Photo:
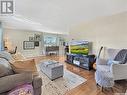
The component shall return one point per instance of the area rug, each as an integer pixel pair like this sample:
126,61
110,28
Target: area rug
61,85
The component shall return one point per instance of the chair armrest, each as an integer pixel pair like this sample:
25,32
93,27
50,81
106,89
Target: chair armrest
9,82
101,61
119,71
37,82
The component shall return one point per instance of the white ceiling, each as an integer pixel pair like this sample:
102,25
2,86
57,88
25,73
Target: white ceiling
59,16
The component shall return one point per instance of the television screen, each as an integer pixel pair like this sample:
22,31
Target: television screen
79,47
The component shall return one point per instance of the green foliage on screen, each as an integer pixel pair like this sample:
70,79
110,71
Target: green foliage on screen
79,49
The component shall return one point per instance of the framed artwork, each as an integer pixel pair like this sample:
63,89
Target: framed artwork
31,38
28,45
37,37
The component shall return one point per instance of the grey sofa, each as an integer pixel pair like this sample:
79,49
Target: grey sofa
9,79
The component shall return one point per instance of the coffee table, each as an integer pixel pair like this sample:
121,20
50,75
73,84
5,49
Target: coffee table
52,69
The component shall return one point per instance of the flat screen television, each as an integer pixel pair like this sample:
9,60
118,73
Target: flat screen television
79,47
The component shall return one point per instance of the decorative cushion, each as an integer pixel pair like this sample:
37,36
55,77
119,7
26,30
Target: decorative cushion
5,63
4,71
6,55
121,56
25,89
5,67
24,66
110,62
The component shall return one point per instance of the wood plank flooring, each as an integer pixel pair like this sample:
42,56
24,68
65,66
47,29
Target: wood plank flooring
89,87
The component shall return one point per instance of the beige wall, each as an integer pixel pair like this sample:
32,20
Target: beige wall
16,38
110,31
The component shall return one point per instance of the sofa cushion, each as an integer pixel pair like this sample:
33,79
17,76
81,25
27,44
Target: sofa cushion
121,56
4,71
24,66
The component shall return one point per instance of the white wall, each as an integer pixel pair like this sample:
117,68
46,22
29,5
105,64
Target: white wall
110,31
16,38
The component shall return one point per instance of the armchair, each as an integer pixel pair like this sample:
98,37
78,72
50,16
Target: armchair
108,70
118,71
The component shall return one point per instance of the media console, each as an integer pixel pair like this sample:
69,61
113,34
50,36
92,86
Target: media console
83,61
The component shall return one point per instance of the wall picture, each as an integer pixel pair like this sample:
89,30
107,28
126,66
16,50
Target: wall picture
28,45
37,37
31,38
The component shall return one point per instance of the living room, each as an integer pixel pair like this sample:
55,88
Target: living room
69,47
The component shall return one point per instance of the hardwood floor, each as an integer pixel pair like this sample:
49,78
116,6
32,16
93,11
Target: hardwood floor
89,87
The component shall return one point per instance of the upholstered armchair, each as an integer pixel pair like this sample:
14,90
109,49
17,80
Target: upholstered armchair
118,70
111,66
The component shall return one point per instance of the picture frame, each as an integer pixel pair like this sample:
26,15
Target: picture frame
28,45
37,37
31,38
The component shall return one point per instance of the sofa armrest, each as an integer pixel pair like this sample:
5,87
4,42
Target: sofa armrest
119,71
37,82
101,61
9,82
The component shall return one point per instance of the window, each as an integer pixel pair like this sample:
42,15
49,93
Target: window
50,40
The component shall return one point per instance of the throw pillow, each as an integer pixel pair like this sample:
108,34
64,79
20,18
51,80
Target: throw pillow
110,62
26,89
6,55
6,63
4,71
121,56
24,66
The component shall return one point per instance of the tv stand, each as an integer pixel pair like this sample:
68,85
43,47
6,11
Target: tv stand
83,61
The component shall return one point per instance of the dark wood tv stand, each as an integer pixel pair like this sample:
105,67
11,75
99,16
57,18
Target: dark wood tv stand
83,61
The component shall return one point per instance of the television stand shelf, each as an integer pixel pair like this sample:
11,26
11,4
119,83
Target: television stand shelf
83,61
